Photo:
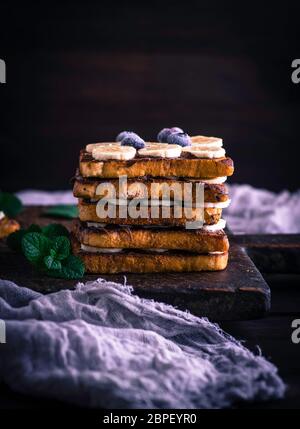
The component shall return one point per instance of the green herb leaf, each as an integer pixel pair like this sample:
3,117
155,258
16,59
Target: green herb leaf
60,249
48,249
34,228
54,230
35,246
52,253
52,263
14,240
72,268
10,204
63,210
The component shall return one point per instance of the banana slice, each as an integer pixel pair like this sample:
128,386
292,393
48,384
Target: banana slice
94,249
215,181
120,153
162,150
156,203
156,250
201,146
206,141
90,147
96,224
219,205
221,224
205,153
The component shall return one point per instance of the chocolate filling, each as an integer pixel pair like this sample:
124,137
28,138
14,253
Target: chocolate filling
219,188
128,228
143,252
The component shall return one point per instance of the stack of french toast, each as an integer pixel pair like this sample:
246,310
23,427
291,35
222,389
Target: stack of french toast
147,207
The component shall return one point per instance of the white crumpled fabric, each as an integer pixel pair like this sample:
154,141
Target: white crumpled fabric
255,211
102,346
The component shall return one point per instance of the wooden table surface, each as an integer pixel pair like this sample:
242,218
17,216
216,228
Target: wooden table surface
278,258
237,293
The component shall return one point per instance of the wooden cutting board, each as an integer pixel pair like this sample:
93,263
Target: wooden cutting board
239,292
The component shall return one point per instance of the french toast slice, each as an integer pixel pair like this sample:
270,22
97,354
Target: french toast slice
186,166
147,262
87,213
141,187
8,226
199,241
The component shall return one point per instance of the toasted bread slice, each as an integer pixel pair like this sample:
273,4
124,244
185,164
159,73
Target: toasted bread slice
142,188
198,241
147,262
186,166
8,226
87,213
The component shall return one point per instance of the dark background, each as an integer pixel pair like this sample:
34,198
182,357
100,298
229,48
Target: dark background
80,73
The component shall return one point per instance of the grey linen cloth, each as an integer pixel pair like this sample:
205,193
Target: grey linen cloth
102,346
256,211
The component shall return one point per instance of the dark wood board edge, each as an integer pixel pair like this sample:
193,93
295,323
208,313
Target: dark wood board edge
218,295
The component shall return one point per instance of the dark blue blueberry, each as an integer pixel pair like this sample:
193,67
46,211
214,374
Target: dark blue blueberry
182,139
163,135
176,130
125,134
133,140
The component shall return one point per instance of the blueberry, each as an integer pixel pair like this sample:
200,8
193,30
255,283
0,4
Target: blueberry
176,130
124,134
182,139
133,140
163,135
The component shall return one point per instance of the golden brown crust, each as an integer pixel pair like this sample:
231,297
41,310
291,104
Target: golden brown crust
201,168
87,213
8,226
134,262
142,238
87,188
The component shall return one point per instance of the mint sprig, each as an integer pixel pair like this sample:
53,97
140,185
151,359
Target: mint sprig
35,246
14,240
71,269
54,230
52,264
49,250
60,248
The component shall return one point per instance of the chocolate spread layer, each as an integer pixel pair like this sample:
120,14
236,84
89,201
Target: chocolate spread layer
143,252
219,188
103,230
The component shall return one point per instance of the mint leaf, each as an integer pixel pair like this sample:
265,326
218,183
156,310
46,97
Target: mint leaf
72,268
10,204
54,230
52,263
48,249
35,246
34,228
60,249
63,210
52,253
14,240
